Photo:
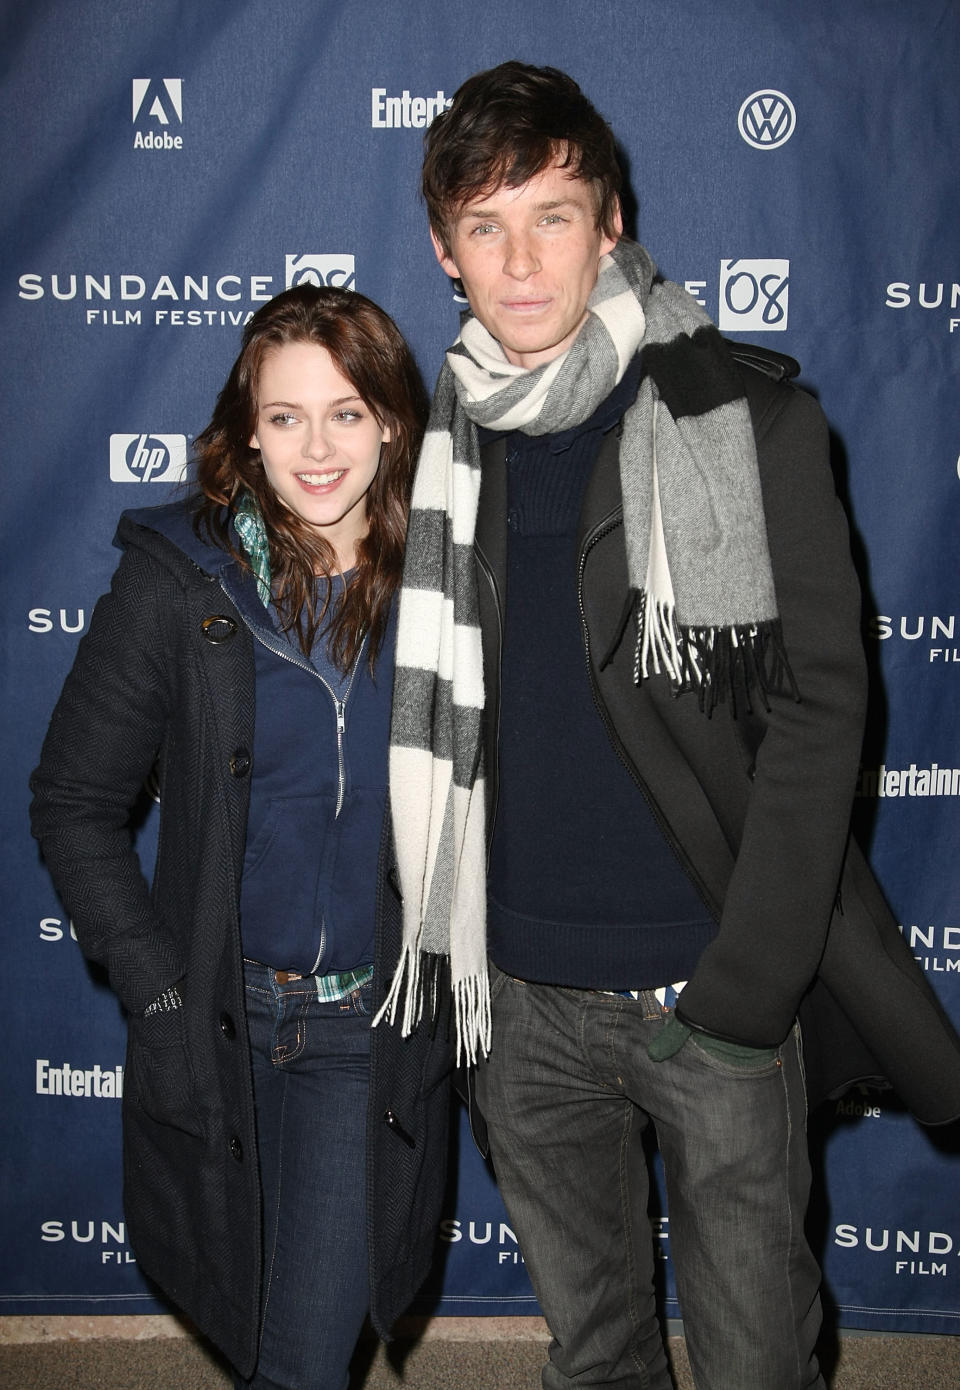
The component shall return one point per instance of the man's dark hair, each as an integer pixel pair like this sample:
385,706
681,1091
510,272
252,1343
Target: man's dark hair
505,126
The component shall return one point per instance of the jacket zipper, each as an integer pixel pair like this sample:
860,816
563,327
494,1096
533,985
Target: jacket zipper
602,529
491,772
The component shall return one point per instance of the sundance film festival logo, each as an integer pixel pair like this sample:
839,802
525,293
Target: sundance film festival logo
909,1251
937,295
312,269
935,947
116,297
767,119
148,458
936,635
109,1237
754,296
157,104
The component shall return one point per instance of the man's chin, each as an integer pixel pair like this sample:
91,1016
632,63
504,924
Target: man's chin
533,350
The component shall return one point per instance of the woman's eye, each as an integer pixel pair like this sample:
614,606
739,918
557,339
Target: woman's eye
282,417
347,415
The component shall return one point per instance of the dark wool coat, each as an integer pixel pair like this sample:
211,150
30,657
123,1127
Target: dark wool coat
757,807
166,675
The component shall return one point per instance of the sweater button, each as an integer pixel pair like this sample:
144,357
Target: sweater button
236,1148
227,1026
240,763
218,628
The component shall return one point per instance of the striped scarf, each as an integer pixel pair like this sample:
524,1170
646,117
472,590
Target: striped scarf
701,590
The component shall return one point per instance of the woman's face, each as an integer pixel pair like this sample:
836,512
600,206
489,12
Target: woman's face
319,442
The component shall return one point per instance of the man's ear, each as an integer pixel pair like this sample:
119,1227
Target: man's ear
444,256
608,243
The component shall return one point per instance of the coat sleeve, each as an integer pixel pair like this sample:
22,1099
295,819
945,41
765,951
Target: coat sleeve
103,739
749,981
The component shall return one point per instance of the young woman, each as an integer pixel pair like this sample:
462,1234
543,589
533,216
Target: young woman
283,1162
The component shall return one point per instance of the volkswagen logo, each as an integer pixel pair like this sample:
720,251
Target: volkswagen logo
767,119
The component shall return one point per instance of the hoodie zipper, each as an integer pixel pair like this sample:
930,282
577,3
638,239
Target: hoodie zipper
286,653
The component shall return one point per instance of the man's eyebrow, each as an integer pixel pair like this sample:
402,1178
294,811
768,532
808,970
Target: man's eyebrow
550,205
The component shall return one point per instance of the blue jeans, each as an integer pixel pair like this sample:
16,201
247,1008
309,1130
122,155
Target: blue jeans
311,1064
567,1093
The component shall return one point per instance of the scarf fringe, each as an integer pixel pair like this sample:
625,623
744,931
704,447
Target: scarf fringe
420,986
405,995
724,665
471,999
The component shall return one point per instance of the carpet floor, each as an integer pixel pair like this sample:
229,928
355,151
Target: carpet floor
862,1363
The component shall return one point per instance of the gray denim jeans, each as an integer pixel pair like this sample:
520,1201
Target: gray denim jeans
567,1093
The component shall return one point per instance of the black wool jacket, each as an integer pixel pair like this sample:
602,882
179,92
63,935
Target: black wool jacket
165,677
757,807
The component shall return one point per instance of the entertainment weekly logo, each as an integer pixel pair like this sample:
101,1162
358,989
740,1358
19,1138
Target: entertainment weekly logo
80,1083
405,112
753,295
911,781
124,299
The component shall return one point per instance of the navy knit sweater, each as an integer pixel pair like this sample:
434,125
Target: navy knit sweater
583,888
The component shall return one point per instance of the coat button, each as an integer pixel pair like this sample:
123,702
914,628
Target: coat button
240,763
227,1027
236,1148
395,1127
218,628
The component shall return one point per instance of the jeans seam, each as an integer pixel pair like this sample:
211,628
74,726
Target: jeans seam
268,1282
627,1230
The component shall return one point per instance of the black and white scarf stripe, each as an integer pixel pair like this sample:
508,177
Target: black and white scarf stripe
701,589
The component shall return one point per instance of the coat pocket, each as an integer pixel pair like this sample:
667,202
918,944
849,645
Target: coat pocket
160,1080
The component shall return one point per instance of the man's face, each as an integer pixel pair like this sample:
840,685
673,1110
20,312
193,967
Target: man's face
528,258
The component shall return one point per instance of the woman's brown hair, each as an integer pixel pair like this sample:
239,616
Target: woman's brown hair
369,350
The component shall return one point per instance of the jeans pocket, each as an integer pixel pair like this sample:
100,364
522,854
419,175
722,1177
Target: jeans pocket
362,999
737,1056
498,981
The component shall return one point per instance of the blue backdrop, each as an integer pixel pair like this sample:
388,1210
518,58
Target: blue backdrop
170,166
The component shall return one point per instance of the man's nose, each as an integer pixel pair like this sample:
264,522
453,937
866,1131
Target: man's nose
520,260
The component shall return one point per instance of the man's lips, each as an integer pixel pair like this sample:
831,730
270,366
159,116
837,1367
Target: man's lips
525,306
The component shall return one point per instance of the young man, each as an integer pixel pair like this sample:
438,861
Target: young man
627,722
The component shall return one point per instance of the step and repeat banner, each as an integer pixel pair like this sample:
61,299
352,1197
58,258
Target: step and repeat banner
169,167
